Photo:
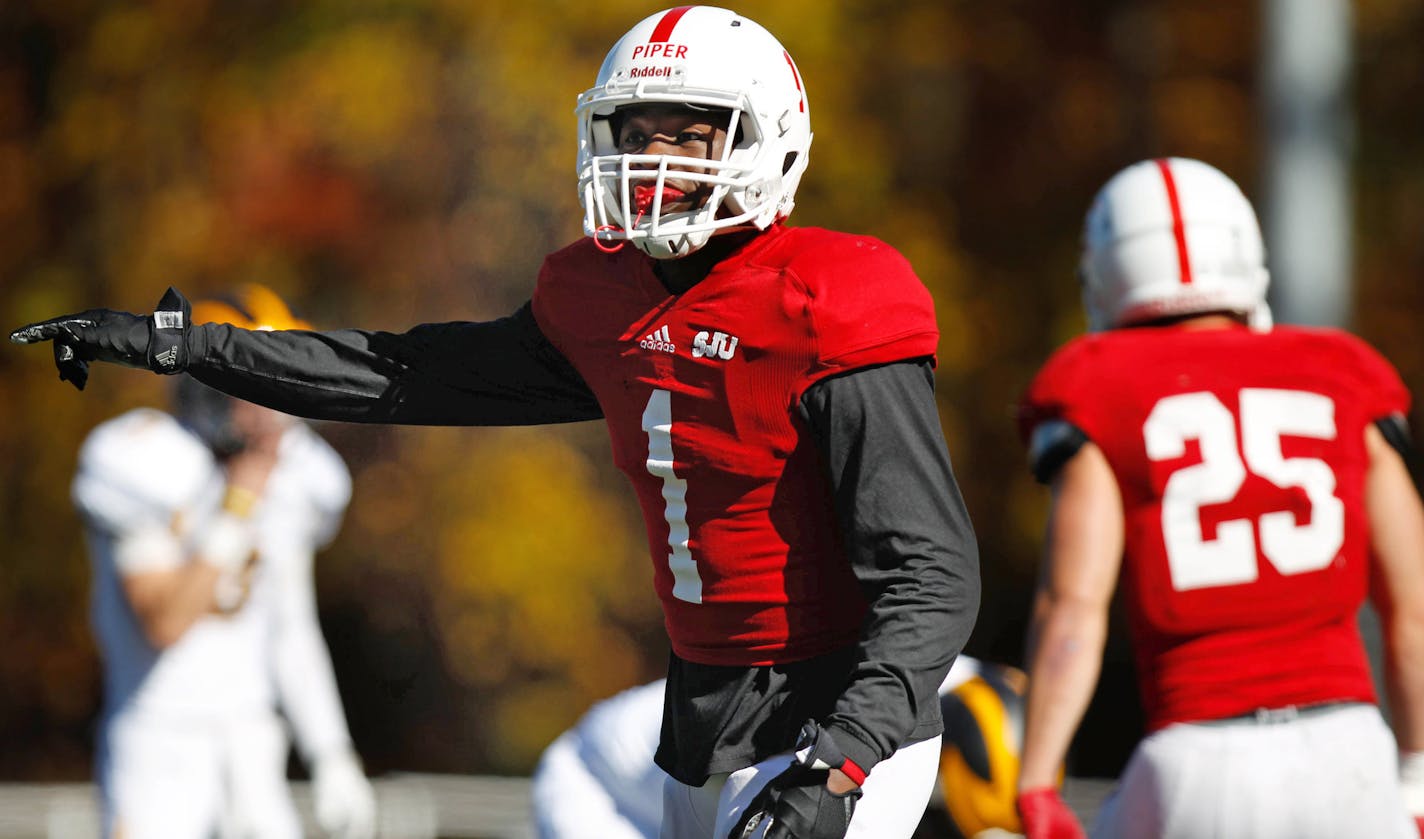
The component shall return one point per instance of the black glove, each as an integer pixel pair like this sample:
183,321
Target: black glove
797,801
154,341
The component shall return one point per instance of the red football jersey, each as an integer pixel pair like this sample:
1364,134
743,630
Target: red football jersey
1241,460
700,393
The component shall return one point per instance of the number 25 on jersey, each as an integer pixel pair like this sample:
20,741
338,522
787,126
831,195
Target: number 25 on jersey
1266,415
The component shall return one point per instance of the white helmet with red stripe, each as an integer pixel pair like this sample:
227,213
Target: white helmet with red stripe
1172,237
706,58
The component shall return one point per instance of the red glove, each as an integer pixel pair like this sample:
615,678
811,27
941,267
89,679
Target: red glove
1419,823
1045,816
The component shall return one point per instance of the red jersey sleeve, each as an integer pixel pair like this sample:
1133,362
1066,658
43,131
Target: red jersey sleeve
1058,390
1382,392
1059,396
864,306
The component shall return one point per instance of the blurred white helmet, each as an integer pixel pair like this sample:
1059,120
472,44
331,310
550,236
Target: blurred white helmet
702,57
1172,237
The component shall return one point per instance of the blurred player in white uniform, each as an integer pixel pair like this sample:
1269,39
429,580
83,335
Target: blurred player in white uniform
598,779
202,528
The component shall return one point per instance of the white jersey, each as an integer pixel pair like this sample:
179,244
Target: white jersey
598,779
145,472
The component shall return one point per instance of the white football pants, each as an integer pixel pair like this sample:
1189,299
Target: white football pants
896,793
1328,774
163,778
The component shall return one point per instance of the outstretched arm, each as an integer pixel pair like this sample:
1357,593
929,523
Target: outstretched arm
502,372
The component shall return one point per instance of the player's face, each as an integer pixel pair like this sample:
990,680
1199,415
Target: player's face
677,132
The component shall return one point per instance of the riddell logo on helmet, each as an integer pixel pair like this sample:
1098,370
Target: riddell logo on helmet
660,50
649,72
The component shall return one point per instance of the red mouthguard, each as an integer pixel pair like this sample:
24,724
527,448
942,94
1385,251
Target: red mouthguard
644,196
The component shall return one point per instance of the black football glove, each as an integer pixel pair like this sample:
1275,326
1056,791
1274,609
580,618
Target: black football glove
153,341
797,802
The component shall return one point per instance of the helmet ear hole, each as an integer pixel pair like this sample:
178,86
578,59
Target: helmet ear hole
606,129
743,134
789,161
605,133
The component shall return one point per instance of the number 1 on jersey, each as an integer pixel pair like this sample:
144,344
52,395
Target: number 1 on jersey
657,424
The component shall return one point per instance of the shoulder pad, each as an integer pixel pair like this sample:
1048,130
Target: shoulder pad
1052,444
1395,429
139,465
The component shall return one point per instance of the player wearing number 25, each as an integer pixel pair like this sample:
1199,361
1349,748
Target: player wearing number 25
1246,484
768,394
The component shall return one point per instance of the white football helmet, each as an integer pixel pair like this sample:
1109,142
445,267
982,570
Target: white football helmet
704,57
1172,237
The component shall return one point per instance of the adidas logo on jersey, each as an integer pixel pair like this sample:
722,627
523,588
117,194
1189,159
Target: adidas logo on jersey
714,345
659,340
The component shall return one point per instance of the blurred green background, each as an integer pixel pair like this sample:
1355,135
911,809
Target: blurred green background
386,162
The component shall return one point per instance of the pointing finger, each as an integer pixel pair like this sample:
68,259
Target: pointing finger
34,333
46,330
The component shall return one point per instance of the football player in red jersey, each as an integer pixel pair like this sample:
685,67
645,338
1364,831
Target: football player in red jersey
768,393
1247,487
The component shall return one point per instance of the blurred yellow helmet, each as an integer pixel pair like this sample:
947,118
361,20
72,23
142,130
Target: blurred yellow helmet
253,306
983,741
206,412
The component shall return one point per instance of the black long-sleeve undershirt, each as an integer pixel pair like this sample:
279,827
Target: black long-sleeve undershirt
910,542
500,372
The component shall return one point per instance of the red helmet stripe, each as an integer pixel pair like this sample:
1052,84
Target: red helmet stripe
663,30
1179,230
796,77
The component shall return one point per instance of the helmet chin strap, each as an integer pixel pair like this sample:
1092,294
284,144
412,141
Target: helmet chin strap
607,248
644,199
